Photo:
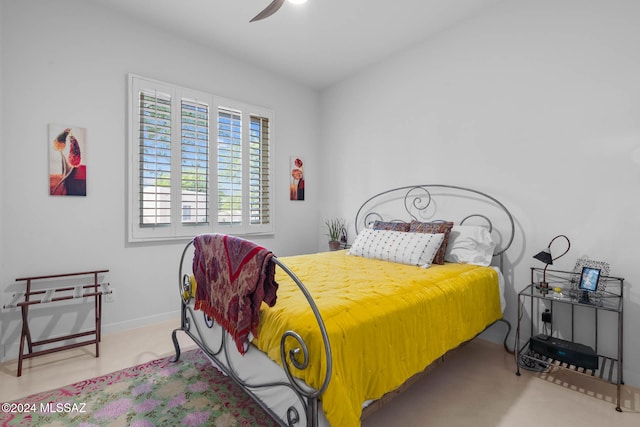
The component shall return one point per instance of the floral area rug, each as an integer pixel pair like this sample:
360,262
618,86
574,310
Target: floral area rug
160,393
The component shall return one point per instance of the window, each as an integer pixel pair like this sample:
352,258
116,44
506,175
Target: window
198,163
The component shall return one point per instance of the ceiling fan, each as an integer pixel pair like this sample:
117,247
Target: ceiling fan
273,8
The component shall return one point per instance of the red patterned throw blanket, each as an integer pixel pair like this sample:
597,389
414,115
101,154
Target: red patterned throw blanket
234,276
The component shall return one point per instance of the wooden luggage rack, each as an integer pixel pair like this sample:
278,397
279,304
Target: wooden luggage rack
46,296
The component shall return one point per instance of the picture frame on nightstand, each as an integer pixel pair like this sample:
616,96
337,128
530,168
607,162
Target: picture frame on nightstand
587,283
589,279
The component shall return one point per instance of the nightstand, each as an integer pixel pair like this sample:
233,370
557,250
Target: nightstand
549,342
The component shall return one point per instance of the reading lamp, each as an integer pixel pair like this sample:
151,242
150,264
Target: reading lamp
545,257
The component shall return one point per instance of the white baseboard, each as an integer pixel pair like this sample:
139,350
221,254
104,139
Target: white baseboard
141,321
10,351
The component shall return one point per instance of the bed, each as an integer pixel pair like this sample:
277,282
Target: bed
350,328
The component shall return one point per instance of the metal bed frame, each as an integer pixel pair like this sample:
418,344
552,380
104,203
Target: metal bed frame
419,203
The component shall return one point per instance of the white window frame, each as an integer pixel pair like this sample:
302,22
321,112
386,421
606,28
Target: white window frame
177,230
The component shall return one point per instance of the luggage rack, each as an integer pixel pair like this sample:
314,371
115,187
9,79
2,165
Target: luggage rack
46,296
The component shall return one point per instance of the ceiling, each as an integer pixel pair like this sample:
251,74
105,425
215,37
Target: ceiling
318,43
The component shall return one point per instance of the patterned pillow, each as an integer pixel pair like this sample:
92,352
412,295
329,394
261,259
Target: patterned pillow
391,225
443,227
397,246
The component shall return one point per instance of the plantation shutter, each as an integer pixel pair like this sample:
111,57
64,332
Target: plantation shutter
198,163
195,162
229,167
259,171
155,158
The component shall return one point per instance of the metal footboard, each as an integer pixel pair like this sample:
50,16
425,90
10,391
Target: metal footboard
307,397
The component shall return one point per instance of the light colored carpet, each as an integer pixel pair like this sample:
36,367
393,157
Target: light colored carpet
476,385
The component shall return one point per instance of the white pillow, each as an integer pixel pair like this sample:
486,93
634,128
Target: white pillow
470,244
397,246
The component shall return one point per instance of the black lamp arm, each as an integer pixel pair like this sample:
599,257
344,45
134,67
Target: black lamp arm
544,273
568,245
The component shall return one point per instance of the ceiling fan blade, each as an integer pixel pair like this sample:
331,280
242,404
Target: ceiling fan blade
269,10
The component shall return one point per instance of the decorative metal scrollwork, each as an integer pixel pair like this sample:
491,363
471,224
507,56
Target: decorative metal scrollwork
184,282
186,288
416,201
326,347
293,353
207,320
489,223
293,417
371,218
307,398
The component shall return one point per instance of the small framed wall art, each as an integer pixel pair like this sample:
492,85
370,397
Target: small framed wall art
296,176
67,160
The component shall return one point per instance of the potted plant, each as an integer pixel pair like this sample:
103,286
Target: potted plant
336,230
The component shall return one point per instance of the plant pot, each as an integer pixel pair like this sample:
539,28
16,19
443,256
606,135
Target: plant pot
334,245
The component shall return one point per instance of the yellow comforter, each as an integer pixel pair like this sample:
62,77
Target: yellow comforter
386,321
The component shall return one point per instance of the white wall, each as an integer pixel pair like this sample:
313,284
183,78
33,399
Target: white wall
2,172
537,103
67,62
